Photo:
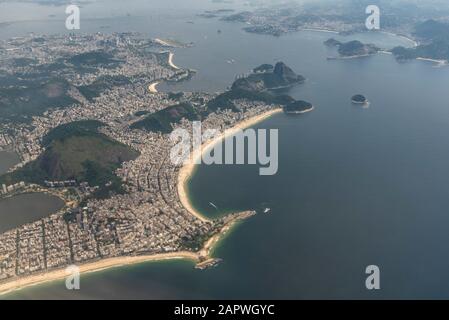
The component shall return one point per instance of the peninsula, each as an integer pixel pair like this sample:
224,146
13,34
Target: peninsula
266,77
107,155
298,107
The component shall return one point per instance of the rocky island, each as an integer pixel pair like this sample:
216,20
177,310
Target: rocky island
359,99
352,49
267,77
264,85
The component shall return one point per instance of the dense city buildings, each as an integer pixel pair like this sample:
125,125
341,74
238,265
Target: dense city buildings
148,217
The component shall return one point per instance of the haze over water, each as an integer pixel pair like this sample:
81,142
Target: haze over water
355,186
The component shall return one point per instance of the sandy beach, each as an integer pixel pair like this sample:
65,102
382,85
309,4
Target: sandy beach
439,63
320,30
96,266
152,87
187,170
170,61
183,177
162,42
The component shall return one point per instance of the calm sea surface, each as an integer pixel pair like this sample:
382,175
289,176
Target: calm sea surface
355,186
7,160
26,208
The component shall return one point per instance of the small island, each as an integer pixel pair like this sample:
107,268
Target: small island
298,107
352,49
359,99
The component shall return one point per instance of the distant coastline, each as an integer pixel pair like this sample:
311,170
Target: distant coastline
152,87
439,63
60,274
415,43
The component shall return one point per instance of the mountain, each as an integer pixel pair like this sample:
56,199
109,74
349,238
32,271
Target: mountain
33,97
438,49
259,86
282,76
435,36
77,151
431,29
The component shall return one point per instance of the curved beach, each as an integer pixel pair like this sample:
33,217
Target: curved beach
153,87
170,61
60,274
186,172
184,175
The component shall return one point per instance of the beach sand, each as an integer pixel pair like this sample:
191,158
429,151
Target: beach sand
187,170
439,63
183,177
152,87
162,42
60,274
170,61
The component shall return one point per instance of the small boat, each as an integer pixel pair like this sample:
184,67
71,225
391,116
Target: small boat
266,210
213,205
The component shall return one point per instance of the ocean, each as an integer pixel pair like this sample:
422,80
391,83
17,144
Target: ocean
355,187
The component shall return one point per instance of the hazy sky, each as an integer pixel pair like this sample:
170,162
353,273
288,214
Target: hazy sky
18,10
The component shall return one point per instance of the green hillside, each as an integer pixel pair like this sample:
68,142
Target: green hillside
163,120
76,151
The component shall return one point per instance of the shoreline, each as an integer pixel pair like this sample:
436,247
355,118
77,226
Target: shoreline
90,267
439,63
162,42
170,61
153,87
415,43
320,30
401,36
302,111
352,57
183,176
186,172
